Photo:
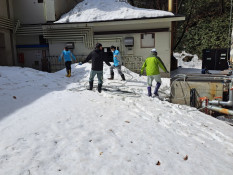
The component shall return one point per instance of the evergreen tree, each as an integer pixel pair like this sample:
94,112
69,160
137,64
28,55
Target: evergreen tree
206,24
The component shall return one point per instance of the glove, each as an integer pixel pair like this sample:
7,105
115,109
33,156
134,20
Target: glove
140,75
80,63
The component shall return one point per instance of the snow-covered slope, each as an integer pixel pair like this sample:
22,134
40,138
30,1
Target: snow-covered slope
105,10
51,125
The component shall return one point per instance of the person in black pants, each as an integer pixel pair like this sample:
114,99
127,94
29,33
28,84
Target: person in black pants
67,54
98,57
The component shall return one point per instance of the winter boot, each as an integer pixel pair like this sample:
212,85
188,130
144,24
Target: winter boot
149,91
99,88
90,86
112,76
69,75
157,89
123,77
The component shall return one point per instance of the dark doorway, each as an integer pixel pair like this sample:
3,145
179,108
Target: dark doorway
109,54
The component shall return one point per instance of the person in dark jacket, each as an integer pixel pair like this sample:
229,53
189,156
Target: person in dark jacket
98,57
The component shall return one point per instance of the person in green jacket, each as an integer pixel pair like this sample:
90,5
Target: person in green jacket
152,65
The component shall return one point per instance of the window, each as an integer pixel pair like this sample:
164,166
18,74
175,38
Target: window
40,1
148,40
2,40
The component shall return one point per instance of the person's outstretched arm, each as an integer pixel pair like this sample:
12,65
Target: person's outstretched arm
107,63
72,55
89,57
105,59
143,67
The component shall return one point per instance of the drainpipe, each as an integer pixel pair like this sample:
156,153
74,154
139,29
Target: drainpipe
170,9
170,5
223,103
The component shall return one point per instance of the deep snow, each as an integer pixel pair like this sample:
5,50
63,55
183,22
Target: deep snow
106,10
50,124
192,67
195,63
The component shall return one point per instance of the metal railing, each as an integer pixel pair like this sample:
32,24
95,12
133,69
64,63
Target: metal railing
53,64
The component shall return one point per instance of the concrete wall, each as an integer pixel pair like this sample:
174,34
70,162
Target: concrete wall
27,40
62,7
7,49
32,12
3,8
49,10
132,57
162,44
55,49
31,56
181,91
29,11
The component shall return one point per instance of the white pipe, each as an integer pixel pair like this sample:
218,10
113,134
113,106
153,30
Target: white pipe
87,33
221,110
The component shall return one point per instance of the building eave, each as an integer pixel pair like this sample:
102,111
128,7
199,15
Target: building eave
123,21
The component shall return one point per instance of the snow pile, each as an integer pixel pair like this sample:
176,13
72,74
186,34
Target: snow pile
106,10
194,63
50,124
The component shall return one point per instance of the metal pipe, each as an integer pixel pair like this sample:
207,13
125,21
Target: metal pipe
221,110
170,5
86,33
228,103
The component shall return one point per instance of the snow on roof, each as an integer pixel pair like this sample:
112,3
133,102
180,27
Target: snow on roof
108,10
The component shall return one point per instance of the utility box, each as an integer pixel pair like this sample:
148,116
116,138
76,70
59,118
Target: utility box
129,42
215,59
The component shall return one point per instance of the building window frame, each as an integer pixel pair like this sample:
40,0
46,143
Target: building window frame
142,37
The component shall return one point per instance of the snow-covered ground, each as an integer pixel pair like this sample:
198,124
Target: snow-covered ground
105,10
51,125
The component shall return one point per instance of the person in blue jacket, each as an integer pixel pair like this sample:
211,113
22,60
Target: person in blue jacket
67,55
117,62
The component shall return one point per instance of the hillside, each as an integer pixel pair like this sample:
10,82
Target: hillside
52,125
